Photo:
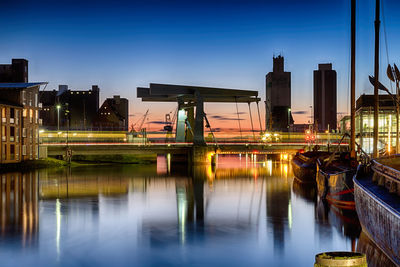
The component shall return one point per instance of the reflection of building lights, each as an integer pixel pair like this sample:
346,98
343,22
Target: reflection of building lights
182,211
169,162
58,224
210,155
285,170
269,167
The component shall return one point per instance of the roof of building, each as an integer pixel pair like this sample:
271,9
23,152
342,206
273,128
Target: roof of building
365,101
20,85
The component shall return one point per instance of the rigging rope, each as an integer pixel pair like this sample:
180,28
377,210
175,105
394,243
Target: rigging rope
386,43
251,120
237,112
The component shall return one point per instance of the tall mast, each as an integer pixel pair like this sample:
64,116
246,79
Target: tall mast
376,74
353,80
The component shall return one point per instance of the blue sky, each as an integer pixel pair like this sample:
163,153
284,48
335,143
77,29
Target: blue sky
121,45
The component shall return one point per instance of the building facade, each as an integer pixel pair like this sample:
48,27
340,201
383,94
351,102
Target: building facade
10,125
278,97
113,115
386,123
19,121
325,90
73,109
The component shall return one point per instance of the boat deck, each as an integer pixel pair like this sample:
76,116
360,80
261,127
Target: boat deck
392,162
391,201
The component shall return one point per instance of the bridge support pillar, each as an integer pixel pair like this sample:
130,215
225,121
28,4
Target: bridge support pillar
202,155
190,119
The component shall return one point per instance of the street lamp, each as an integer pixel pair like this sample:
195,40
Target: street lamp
58,116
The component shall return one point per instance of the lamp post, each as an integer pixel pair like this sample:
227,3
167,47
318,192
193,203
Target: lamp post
58,116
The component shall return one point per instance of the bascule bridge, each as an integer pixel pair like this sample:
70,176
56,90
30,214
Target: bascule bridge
190,100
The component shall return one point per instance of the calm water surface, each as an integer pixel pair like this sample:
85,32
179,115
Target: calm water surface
241,213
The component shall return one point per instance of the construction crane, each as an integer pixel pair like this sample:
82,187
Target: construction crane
139,129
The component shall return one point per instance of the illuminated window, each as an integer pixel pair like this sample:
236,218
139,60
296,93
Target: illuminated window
24,113
23,97
3,133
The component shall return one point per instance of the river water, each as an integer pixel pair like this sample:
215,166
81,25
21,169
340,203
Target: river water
246,211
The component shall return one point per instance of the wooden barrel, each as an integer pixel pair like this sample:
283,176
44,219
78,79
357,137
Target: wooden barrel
340,258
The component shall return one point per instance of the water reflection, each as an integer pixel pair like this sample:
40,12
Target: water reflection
19,207
245,210
375,256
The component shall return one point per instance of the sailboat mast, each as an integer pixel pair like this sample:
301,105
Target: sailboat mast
376,74
353,81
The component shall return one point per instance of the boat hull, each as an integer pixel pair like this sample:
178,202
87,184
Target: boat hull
304,172
337,187
378,212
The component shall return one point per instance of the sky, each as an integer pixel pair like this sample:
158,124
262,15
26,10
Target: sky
121,45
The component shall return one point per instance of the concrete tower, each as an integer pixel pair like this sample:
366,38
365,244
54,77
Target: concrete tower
325,90
278,97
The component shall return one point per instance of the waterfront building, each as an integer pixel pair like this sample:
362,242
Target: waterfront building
278,115
386,122
19,107
113,115
19,121
365,123
73,109
325,90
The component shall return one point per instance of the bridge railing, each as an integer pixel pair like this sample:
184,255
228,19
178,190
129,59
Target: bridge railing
49,137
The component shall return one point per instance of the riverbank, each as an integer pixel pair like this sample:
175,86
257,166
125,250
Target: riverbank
78,161
34,164
116,159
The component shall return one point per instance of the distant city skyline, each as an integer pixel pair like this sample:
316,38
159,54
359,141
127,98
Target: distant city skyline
126,44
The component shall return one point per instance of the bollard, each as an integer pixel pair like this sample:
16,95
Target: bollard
340,258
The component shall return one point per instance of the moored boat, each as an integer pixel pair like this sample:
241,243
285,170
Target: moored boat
304,165
377,196
335,181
